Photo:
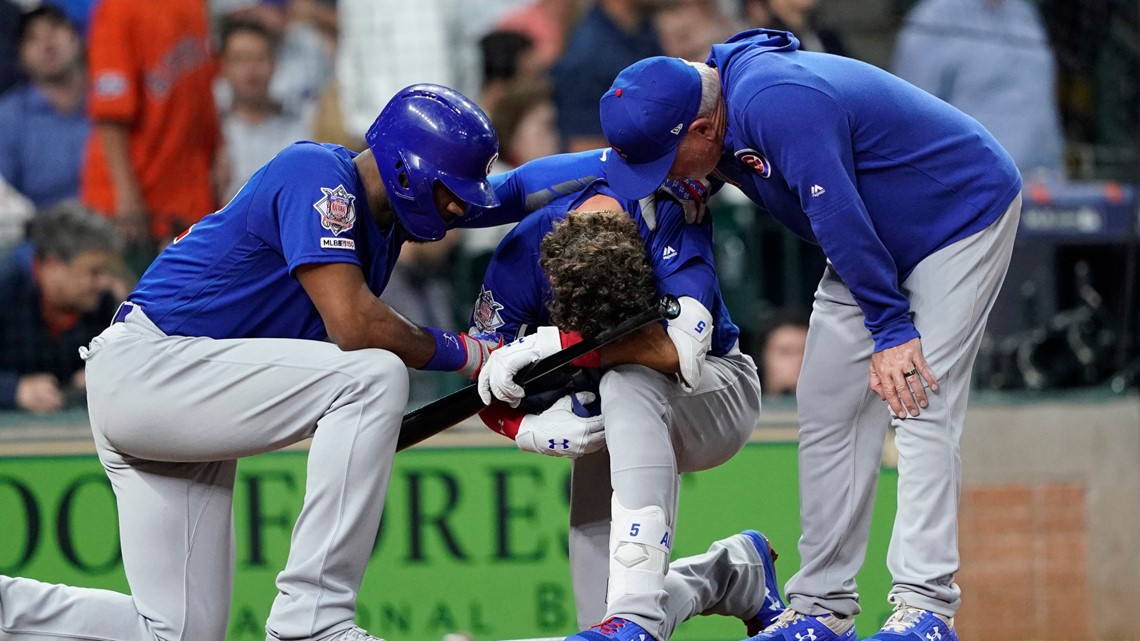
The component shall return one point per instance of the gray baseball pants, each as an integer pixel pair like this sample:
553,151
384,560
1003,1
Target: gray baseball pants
843,425
171,415
654,431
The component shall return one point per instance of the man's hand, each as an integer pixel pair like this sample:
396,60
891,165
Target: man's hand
130,215
497,377
896,375
38,393
565,429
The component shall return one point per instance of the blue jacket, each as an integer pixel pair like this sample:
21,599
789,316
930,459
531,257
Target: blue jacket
876,171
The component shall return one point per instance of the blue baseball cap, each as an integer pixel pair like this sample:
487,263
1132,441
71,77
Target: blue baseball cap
645,114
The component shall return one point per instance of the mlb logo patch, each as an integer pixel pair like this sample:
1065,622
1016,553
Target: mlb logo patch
337,243
486,314
756,161
338,213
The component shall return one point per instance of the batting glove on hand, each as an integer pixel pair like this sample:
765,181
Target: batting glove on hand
693,195
565,429
497,378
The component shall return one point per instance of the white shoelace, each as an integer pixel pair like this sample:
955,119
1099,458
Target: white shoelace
786,618
903,618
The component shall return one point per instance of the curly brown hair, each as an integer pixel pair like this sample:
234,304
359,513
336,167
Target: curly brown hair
598,271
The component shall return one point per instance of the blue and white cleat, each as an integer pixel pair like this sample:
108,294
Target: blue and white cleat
773,605
613,629
915,624
793,626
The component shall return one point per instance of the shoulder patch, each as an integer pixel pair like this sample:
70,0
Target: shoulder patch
755,160
486,315
338,213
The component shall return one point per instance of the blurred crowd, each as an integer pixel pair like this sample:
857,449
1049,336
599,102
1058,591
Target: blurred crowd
122,122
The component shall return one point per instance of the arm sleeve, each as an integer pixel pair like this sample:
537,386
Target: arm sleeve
115,91
512,294
682,254
530,187
316,209
808,135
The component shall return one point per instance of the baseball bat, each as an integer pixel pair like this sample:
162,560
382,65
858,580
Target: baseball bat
433,418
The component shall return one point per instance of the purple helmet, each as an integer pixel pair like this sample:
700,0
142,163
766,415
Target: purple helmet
427,133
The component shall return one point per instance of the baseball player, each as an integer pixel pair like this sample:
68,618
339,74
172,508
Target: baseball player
916,207
675,398
219,354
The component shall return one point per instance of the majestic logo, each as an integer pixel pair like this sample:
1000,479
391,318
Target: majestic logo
817,191
337,243
668,253
338,213
756,161
486,315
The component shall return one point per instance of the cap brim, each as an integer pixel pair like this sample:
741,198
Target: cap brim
480,194
636,181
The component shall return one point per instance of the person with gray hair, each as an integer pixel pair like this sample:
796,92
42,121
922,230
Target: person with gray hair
916,207
57,296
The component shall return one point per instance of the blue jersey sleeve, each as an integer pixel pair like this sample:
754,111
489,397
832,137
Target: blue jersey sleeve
530,187
682,254
514,289
317,207
808,136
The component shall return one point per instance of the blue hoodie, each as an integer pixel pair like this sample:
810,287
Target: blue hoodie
876,171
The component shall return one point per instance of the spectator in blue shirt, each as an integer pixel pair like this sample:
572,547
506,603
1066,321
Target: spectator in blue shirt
949,48
43,125
612,35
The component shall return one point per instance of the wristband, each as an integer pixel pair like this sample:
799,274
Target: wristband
450,351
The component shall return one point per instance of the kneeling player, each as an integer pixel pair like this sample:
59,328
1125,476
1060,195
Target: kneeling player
674,398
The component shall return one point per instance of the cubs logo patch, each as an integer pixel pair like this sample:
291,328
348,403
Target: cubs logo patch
486,315
756,161
338,213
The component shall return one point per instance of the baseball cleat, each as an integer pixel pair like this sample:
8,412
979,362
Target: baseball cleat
773,605
793,626
613,629
915,624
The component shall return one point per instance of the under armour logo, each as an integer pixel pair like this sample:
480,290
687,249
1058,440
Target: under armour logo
554,444
934,634
773,604
810,636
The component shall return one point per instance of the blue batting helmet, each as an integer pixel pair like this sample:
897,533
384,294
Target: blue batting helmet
427,133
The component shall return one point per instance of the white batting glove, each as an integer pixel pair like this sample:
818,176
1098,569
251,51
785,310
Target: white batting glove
558,431
497,377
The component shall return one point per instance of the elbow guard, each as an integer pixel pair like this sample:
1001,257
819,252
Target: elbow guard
691,333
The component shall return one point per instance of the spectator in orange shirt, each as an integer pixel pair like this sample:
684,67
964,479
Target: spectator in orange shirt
149,159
